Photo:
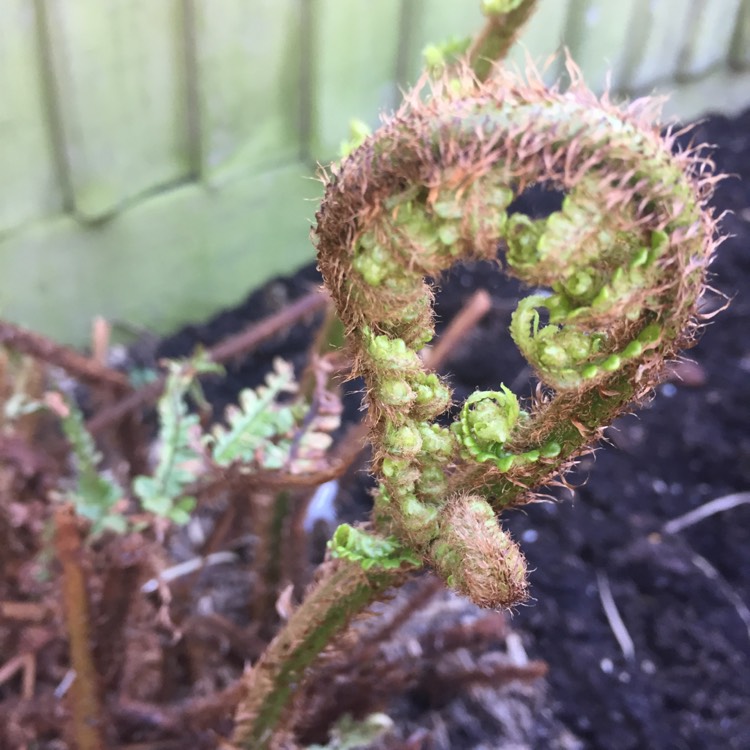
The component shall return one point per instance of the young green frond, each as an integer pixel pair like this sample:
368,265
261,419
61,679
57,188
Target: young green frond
259,429
94,495
179,452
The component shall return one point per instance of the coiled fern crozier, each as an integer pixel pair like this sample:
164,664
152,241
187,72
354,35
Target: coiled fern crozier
623,263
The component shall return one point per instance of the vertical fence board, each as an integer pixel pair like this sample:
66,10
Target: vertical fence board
663,25
740,52
543,36
596,33
710,36
354,60
101,116
119,72
27,172
248,66
434,22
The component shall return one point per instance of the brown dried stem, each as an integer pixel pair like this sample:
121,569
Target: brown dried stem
87,713
231,347
84,368
479,304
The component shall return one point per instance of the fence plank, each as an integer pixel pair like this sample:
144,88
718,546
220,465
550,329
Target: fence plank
119,71
353,67
709,37
434,22
740,53
27,169
724,90
657,33
249,81
544,36
596,33
176,257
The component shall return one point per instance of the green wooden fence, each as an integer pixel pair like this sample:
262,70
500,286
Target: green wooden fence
156,155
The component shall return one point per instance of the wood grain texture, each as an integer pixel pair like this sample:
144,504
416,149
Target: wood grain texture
248,66
655,39
30,187
119,77
353,62
740,51
596,34
708,40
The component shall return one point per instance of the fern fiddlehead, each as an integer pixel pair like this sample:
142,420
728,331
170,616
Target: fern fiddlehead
622,262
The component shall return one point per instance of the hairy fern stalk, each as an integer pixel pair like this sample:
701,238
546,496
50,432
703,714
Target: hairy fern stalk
617,275
622,265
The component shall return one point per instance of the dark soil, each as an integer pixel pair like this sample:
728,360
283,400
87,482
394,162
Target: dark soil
680,596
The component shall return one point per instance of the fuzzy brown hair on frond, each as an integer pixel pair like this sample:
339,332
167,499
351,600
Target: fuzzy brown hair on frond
622,266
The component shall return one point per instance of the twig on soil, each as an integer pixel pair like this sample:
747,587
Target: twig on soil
234,346
100,337
234,478
83,368
26,664
727,502
88,724
614,619
257,333
36,612
743,612
197,713
185,568
479,304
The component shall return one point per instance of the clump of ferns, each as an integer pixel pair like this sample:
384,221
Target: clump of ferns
270,429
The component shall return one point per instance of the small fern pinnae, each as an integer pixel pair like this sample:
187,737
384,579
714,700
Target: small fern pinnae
256,422
623,263
95,495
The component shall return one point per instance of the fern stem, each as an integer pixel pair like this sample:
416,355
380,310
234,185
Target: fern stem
342,590
624,261
87,712
494,41
85,369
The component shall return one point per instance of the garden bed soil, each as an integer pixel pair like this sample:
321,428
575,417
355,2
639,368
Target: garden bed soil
674,673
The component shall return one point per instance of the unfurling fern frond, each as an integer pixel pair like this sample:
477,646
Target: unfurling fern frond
623,260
